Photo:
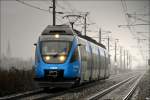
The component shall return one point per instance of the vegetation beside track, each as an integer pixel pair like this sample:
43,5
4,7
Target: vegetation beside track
16,77
144,87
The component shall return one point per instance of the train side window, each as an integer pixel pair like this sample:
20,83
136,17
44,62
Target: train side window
74,56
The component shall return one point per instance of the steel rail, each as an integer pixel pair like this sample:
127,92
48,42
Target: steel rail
130,93
106,91
20,95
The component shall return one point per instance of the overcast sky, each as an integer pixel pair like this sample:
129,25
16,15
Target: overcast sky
21,25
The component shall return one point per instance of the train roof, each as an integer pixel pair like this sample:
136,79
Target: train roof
67,30
63,29
89,39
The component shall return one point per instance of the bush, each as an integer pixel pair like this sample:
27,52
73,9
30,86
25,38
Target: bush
16,80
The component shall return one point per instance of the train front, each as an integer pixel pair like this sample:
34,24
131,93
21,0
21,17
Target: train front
56,60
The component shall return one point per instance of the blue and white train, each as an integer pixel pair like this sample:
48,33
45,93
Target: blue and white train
64,57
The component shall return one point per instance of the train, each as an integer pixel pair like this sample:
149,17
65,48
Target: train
64,57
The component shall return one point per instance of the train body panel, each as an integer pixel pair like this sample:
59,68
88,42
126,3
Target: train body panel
63,55
93,61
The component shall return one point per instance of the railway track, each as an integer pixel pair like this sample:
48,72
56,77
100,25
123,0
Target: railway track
19,95
54,92
130,93
117,91
40,94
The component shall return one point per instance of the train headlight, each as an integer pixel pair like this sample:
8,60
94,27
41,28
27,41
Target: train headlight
62,58
56,35
47,58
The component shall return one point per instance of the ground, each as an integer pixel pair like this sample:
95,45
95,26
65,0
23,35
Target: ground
144,87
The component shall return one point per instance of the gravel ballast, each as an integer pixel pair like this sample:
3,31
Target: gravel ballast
144,87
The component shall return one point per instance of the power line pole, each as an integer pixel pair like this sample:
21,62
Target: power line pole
116,40
54,13
115,50
121,57
85,23
127,59
108,43
124,59
100,33
9,49
149,51
129,62
0,50
0,45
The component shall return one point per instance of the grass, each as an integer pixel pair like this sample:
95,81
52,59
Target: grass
17,78
15,81
144,87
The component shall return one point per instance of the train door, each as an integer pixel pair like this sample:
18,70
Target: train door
93,63
105,64
109,65
89,59
84,63
102,70
99,67
97,63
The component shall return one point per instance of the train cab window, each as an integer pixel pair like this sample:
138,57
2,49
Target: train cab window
74,56
55,51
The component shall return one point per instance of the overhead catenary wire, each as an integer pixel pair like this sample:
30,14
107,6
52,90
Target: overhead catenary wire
36,7
59,19
130,25
72,11
48,10
137,18
33,6
125,10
